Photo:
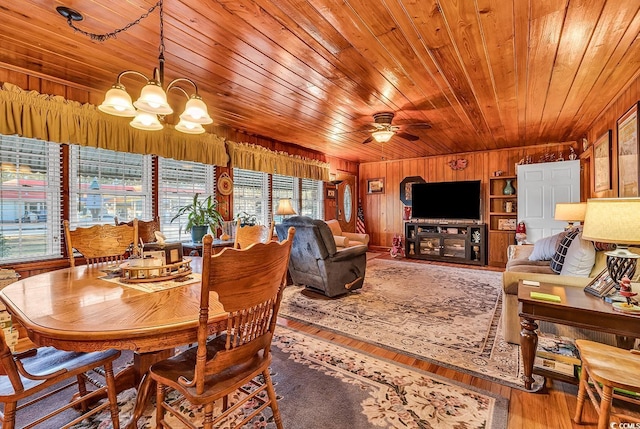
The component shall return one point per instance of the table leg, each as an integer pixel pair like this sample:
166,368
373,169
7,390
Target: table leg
528,346
626,343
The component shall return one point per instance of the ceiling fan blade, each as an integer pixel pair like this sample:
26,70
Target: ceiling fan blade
407,136
419,125
367,140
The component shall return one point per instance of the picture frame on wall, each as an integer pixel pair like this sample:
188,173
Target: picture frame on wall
628,167
330,193
375,186
602,163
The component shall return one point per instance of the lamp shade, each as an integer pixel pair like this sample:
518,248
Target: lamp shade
196,111
153,99
382,136
612,220
571,212
117,102
285,207
146,122
189,127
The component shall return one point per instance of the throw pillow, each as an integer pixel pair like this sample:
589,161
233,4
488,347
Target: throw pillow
545,248
579,259
600,246
341,241
558,258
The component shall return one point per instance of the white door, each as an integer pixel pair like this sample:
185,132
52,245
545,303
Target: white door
540,187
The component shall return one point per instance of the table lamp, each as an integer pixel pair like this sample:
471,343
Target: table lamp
615,220
285,208
573,213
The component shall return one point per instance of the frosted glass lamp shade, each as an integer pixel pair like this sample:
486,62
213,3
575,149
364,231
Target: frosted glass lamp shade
285,207
382,136
189,127
153,99
196,111
117,102
146,122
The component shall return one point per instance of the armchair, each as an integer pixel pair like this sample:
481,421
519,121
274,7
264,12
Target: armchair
316,262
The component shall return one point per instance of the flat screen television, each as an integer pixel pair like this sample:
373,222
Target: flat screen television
446,200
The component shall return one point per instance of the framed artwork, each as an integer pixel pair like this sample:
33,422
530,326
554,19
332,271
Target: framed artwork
405,188
330,193
375,186
627,127
602,162
601,285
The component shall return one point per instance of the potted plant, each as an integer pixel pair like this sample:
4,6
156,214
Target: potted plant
201,215
246,219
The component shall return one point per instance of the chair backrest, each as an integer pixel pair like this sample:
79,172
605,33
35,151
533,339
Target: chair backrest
100,244
249,284
146,228
314,238
249,234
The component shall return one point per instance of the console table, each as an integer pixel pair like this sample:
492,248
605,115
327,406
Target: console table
576,308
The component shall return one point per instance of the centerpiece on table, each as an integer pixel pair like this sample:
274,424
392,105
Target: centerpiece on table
202,214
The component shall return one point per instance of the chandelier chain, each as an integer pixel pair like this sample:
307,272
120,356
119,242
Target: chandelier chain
114,33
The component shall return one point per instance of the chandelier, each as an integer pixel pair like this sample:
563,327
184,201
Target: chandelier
149,110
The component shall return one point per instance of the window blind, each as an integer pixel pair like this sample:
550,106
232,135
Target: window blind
251,194
178,182
30,224
284,187
105,184
312,199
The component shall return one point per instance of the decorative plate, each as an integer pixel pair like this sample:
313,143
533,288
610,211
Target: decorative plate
225,184
626,308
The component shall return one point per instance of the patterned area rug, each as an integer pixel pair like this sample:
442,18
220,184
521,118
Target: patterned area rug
323,385
441,314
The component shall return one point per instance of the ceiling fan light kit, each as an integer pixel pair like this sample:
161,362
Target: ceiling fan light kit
383,130
383,136
149,110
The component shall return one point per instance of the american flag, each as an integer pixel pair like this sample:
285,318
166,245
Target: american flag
360,219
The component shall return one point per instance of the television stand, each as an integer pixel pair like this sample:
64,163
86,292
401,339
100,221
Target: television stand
463,243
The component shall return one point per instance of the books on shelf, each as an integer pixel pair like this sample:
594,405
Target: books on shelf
557,354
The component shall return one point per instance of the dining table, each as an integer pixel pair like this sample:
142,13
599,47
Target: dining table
80,309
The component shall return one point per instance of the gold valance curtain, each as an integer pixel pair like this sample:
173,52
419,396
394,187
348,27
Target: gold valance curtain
55,119
258,158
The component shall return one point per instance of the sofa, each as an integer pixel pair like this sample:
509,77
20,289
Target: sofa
533,262
317,263
346,239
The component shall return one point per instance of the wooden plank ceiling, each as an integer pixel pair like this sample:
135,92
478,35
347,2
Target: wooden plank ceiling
485,74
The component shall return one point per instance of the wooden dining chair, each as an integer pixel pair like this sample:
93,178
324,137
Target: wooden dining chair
100,244
249,284
249,234
28,374
146,228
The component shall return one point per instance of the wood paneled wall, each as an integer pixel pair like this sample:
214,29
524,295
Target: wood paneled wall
607,121
383,212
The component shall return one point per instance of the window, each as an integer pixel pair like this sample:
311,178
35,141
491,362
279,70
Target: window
312,199
105,184
251,194
284,187
30,224
178,182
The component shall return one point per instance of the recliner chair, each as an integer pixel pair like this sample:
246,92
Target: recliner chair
317,264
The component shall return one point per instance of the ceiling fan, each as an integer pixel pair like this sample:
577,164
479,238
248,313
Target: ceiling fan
383,130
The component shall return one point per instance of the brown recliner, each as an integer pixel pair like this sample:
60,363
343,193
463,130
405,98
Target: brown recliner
316,262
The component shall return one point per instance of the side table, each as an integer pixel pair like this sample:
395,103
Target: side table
576,308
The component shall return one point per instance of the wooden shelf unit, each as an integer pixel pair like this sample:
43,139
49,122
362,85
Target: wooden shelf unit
500,239
452,242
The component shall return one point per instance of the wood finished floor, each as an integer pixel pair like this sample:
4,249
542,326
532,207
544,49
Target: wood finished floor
553,408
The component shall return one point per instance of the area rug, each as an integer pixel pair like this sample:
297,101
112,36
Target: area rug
322,385
441,314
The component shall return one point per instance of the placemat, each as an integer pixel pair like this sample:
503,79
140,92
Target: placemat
156,286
